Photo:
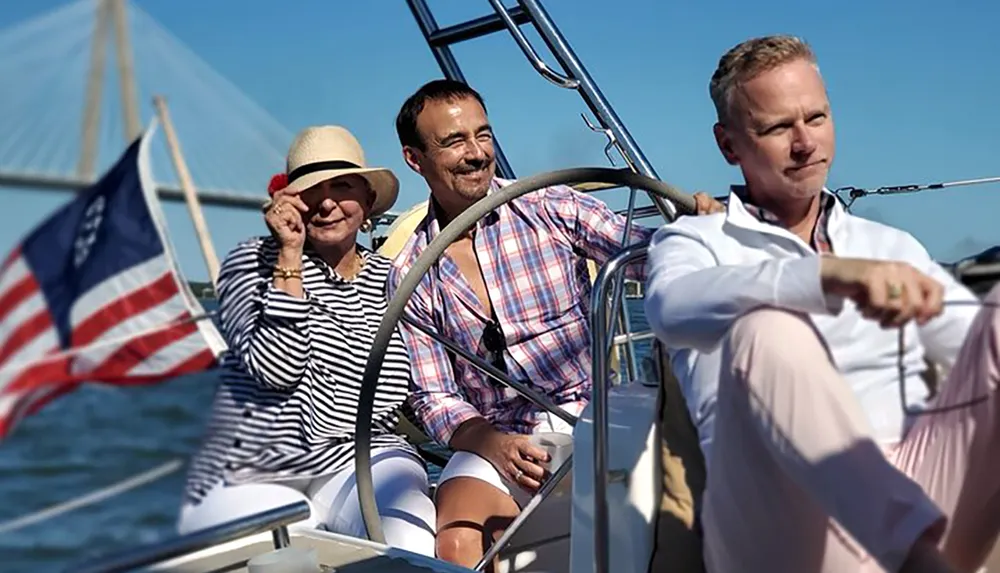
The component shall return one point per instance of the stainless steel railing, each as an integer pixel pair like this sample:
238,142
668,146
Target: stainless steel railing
607,277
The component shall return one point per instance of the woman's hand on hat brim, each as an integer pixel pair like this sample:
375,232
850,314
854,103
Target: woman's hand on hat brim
286,219
293,197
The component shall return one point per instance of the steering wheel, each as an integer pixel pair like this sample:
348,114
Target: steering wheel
362,462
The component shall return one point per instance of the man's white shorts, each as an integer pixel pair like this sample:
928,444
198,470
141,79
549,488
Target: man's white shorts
467,464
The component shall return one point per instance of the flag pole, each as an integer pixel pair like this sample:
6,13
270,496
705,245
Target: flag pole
187,186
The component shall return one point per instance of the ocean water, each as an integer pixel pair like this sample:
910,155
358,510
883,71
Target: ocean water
91,439
88,440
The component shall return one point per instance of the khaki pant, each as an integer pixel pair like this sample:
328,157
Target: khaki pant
798,484
795,468
678,547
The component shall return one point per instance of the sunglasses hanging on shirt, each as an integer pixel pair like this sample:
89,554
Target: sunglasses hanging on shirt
495,343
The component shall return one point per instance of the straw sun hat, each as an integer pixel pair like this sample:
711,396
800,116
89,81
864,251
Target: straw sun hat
327,151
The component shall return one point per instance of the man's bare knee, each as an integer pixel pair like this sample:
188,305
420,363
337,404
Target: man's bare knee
460,543
469,510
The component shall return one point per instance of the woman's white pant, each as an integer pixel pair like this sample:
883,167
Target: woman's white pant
401,493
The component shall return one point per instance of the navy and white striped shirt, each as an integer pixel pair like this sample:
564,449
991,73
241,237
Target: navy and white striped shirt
288,397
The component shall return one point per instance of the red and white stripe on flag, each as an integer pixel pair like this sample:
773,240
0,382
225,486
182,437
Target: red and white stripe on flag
104,303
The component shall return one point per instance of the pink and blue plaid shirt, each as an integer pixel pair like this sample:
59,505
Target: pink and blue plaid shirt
533,253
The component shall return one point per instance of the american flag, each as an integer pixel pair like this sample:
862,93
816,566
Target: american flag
94,294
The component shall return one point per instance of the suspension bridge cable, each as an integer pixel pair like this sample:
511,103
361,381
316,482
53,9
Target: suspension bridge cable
230,142
26,33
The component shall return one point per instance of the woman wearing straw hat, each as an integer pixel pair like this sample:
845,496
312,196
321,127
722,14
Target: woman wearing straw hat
299,310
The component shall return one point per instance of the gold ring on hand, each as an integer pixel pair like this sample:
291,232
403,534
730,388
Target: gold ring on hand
895,291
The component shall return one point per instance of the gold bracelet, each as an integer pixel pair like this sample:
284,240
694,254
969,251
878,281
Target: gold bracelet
287,273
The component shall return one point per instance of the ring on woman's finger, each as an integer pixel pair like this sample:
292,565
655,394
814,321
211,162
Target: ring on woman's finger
895,291
518,475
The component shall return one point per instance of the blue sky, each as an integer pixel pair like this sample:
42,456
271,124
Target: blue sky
913,92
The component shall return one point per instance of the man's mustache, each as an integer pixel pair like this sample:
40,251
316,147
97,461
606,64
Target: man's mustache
473,166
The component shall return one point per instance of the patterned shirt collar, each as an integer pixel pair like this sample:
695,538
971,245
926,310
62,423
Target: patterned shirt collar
821,232
434,226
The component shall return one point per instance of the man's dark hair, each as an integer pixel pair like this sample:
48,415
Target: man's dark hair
437,90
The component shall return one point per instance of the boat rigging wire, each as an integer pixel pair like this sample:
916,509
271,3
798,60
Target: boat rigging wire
855,193
93,497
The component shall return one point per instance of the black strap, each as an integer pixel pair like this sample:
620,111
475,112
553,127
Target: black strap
320,166
497,357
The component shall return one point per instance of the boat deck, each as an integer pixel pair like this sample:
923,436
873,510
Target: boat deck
334,553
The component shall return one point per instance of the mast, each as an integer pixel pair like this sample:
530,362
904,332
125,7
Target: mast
187,186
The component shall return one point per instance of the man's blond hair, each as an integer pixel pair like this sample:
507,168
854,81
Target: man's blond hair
749,59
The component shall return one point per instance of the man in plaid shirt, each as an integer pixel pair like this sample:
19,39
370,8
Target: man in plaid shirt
514,290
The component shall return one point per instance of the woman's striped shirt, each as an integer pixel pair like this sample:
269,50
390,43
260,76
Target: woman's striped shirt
290,381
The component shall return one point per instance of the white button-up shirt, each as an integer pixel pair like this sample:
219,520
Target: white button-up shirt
705,272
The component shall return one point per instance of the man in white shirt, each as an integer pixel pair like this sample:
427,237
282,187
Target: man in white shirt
797,323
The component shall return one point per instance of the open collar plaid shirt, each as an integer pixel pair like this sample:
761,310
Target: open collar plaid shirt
820,235
532,252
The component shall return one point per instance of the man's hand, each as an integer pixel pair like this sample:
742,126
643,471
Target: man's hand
706,204
893,293
512,455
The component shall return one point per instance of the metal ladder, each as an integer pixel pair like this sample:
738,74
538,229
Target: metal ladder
574,77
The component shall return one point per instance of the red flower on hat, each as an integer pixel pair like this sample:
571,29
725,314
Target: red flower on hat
278,182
